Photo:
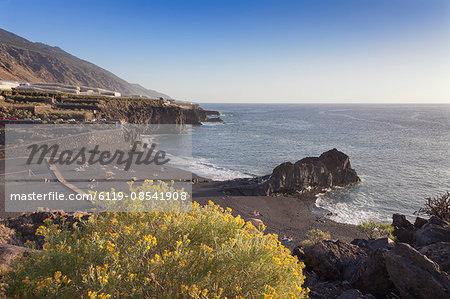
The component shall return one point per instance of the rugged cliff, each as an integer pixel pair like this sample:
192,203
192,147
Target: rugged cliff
23,104
151,112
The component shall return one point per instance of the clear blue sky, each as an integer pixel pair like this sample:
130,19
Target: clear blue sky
255,51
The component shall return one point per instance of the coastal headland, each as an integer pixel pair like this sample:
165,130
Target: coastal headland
48,107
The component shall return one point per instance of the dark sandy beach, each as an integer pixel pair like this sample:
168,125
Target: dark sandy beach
290,216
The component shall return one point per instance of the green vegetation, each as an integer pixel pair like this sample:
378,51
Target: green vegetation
315,236
204,253
376,230
437,206
55,95
61,105
50,113
20,113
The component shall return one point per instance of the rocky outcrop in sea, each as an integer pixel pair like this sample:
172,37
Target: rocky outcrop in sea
330,169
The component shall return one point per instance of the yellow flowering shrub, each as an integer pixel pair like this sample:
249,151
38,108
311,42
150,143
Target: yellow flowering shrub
140,198
203,253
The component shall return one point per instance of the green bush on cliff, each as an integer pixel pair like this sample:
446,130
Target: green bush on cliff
204,253
376,230
315,236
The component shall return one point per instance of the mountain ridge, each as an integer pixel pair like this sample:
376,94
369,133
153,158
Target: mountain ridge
23,60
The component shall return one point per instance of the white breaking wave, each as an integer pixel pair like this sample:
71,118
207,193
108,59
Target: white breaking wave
347,212
204,168
210,124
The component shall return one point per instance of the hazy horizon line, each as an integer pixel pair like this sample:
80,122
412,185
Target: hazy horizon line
320,103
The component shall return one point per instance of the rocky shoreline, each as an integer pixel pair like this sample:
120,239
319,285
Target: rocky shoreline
415,265
362,268
382,268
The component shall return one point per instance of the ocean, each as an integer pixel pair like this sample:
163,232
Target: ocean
399,151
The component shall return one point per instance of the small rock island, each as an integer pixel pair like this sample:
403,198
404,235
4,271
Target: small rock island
330,169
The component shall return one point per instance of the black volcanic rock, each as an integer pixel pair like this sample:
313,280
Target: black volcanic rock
400,221
25,225
372,276
431,233
439,253
212,112
332,168
334,260
213,120
414,275
381,267
422,233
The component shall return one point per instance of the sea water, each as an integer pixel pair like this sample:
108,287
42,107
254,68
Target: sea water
401,152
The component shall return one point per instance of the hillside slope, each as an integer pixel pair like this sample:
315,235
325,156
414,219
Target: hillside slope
22,60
